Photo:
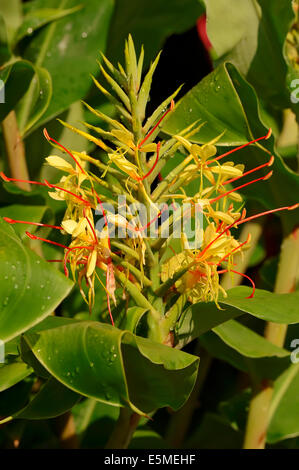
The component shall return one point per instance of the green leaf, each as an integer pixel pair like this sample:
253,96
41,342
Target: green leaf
36,19
5,52
251,34
12,13
284,407
67,48
17,78
34,109
45,404
30,289
132,318
137,18
202,317
247,342
235,409
261,367
15,398
214,432
94,422
101,362
11,374
226,102
277,308
147,438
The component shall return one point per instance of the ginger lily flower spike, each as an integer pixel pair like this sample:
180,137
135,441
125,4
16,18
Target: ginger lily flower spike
154,271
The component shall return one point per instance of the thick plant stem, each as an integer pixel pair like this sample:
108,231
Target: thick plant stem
258,417
181,420
124,430
66,430
15,150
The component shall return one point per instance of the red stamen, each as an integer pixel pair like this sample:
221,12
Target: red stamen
153,220
215,239
91,227
263,178
249,279
235,249
53,186
287,208
35,237
241,147
46,183
243,275
65,259
8,180
155,127
219,227
154,165
63,148
269,163
12,221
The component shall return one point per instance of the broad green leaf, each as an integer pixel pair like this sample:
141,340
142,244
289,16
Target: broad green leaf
114,366
247,342
213,432
261,366
235,409
202,317
146,438
34,109
12,13
68,48
94,422
39,18
12,373
251,34
5,52
132,318
52,400
15,398
277,308
30,289
284,422
226,102
137,18
17,78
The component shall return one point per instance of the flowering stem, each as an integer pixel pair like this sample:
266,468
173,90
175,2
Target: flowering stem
15,150
258,417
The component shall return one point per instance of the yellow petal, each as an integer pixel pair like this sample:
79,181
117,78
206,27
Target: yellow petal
80,228
226,170
91,264
69,225
56,196
235,197
124,165
149,148
59,163
124,136
208,151
228,219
